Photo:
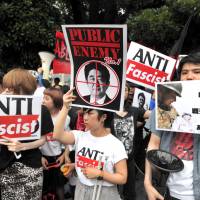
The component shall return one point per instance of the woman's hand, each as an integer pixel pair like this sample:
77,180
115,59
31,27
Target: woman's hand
152,193
68,98
67,159
13,144
91,173
45,163
60,159
71,167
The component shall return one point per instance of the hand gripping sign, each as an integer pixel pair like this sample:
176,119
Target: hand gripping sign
20,117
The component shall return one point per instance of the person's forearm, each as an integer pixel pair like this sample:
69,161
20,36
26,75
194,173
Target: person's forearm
153,144
58,132
147,114
33,145
115,178
66,153
148,173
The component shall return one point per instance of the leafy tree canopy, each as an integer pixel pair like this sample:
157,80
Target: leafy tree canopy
159,28
27,26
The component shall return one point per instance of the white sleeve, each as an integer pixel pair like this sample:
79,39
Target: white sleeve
120,152
77,134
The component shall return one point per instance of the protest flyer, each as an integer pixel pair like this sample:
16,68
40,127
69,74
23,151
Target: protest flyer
141,99
20,117
146,66
61,63
98,63
178,106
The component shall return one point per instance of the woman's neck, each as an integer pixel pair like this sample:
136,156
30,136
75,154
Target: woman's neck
54,112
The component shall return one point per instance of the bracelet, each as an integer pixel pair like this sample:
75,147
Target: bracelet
100,177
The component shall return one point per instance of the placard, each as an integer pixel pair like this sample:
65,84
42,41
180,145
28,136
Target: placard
178,106
98,60
20,117
146,66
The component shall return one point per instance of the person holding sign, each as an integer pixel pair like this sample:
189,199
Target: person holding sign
183,185
99,157
21,173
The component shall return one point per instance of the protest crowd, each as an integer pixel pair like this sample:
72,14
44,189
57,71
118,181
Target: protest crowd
87,153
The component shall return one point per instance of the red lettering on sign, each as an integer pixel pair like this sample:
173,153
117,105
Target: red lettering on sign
144,74
18,126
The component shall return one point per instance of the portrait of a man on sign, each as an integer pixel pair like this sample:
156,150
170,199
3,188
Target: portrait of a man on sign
141,99
97,84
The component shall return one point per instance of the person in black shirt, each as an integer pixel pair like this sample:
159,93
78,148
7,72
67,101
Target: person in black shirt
124,126
22,178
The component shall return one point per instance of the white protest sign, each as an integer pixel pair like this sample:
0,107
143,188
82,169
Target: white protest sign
20,117
178,113
146,66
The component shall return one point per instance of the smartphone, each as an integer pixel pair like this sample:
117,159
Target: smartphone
53,165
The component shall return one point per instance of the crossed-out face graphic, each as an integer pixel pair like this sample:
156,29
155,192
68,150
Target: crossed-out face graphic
97,83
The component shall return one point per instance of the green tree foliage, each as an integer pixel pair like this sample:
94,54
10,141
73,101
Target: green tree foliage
27,27
159,28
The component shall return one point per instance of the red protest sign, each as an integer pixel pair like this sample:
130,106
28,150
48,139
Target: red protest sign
61,63
18,126
144,75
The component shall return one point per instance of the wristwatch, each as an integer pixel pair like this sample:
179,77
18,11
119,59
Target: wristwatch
100,177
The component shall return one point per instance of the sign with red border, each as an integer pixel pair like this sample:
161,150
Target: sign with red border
20,117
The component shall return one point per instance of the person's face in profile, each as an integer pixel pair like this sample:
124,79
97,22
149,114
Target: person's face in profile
141,101
96,83
169,98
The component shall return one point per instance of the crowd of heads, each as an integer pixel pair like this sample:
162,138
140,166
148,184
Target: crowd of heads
21,81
